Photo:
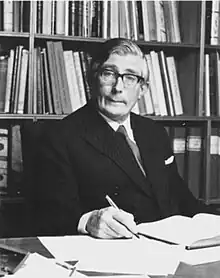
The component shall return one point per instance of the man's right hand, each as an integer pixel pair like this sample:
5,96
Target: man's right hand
111,223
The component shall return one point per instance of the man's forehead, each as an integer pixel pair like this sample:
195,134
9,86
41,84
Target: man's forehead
125,61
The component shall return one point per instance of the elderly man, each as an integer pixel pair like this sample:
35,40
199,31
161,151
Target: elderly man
104,149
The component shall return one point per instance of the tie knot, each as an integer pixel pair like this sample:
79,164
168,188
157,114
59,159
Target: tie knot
121,129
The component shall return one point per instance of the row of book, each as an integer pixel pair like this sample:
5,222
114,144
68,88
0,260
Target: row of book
14,16
147,20
189,151
60,82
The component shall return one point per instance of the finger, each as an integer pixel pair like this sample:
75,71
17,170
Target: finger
126,219
118,229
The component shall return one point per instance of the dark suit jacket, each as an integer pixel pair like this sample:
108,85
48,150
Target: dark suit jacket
83,159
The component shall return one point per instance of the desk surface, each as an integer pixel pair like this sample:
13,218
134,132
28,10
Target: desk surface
33,244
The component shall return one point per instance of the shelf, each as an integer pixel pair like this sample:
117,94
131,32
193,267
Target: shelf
184,118
14,34
11,199
4,116
202,119
101,40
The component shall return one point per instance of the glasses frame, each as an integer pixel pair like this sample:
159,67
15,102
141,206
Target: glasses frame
122,75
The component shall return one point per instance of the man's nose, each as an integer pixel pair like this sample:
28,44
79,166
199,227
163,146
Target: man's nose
119,85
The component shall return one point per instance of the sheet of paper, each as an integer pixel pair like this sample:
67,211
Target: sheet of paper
132,256
183,230
38,266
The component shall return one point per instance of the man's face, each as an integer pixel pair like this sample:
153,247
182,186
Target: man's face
116,100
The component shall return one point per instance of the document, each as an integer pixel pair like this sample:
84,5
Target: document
202,230
118,256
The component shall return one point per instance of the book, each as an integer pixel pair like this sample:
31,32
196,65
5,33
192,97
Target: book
3,80
179,148
3,161
23,81
214,147
202,230
15,161
195,154
214,40
172,72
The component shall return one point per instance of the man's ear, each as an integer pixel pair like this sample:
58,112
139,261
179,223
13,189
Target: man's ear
143,89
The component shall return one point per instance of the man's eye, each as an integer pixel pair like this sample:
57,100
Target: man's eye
108,73
130,77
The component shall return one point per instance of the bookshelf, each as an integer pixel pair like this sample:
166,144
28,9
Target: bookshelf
195,26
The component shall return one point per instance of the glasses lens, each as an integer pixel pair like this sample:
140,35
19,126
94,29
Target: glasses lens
108,76
130,80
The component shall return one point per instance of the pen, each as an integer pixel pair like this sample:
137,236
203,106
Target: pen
112,204
65,265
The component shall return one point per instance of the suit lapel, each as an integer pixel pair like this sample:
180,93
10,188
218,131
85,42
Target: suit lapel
152,157
98,133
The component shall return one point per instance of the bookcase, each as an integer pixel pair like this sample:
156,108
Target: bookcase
187,31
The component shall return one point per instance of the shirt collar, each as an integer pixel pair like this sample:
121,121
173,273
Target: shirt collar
114,125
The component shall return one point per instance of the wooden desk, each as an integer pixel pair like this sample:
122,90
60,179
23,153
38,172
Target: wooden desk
33,244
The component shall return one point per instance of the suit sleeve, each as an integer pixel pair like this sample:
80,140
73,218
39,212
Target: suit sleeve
57,206
180,194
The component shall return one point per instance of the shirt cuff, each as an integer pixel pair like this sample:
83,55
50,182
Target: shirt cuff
82,222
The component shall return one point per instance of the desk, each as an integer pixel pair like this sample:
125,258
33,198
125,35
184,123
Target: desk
33,244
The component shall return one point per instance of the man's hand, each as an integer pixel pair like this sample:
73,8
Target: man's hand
111,223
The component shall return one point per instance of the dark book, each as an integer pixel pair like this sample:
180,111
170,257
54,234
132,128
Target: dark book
195,159
49,105
62,78
16,78
214,146
26,16
15,169
179,148
208,22
38,82
53,77
85,72
188,82
39,16
3,80
213,82
42,83
190,21
16,16
1,16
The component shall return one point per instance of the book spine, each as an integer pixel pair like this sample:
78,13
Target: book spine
23,81
3,80
9,81
8,15
195,160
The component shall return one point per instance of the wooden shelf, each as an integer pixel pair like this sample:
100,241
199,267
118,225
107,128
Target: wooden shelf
182,118
14,34
80,39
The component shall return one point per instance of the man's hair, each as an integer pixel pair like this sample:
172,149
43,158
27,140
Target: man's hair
119,46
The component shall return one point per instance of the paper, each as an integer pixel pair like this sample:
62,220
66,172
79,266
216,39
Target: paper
127,256
183,230
39,266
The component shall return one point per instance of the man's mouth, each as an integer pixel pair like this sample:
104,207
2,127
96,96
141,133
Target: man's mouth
116,100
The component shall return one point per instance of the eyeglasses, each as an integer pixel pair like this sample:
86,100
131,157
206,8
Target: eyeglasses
110,77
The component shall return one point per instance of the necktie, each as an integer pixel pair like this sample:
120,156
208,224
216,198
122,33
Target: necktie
134,148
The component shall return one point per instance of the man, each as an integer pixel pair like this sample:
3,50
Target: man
85,157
